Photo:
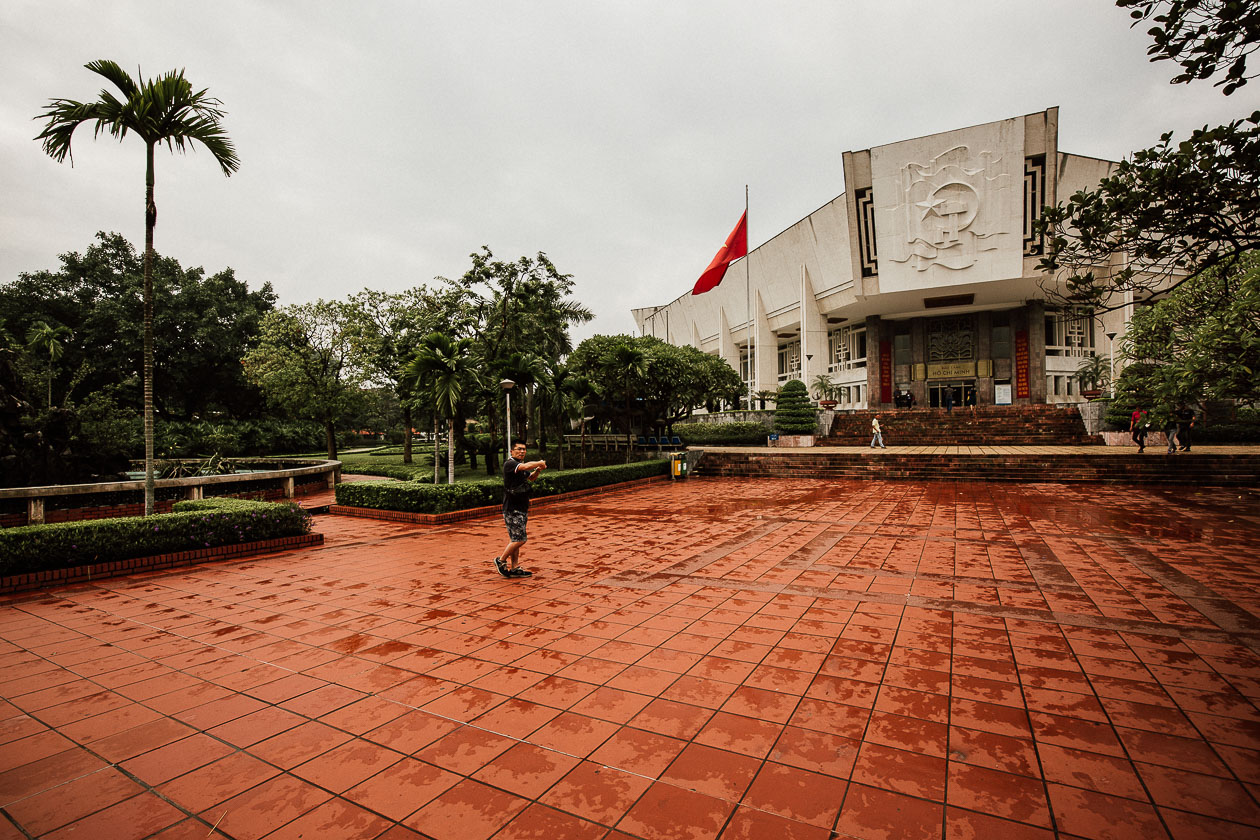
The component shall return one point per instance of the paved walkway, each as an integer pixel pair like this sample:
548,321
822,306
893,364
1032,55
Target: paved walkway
738,659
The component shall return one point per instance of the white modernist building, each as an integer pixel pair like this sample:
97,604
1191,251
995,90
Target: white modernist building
921,277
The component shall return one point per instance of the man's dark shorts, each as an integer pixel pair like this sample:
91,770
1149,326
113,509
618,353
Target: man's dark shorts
516,520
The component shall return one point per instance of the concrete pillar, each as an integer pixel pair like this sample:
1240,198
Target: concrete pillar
918,361
984,355
35,511
194,492
288,487
874,358
1036,310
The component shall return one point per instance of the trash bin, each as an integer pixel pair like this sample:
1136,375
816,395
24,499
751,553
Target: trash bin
677,465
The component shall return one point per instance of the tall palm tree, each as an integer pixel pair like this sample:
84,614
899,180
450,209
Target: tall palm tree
443,370
46,340
162,110
627,365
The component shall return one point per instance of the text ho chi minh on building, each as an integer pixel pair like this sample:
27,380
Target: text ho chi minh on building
922,276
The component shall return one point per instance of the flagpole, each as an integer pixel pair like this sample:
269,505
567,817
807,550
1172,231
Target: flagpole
804,343
752,360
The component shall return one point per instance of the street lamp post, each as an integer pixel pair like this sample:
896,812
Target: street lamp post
507,385
1111,363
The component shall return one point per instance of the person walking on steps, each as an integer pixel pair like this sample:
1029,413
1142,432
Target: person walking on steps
1138,425
517,476
877,434
1185,423
1170,431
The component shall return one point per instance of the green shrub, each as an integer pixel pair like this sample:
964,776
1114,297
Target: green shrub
193,525
412,473
717,434
1227,433
418,497
415,497
794,414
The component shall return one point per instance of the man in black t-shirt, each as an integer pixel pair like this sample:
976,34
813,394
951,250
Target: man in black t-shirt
517,475
1185,422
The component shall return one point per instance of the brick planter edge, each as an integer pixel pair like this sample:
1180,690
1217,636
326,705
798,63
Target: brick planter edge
116,568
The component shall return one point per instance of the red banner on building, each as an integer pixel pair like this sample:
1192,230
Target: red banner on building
885,372
1021,365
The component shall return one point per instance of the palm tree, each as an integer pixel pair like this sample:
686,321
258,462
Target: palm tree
443,370
162,110
628,365
527,370
47,340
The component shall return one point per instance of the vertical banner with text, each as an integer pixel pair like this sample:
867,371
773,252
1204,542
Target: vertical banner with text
885,371
1021,365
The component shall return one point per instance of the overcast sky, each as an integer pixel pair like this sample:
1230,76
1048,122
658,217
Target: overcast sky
382,142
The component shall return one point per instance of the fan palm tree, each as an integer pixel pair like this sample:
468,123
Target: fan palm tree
162,110
444,371
47,341
627,365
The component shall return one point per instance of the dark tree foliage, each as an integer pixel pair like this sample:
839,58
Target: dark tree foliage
1175,210
202,327
1205,37
1201,343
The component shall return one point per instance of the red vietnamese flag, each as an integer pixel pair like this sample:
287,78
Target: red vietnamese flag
736,246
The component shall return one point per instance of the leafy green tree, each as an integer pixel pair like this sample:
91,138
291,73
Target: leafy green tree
1203,36
48,341
304,363
202,327
443,372
162,110
1200,343
385,330
1175,210
507,308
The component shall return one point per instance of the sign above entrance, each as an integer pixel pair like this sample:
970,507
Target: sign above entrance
951,370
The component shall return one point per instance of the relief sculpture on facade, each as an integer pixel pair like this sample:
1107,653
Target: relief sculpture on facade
943,201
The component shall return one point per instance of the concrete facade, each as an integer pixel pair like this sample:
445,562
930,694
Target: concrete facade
920,278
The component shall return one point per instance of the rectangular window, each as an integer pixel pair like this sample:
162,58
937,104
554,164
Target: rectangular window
847,348
901,349
1070,332
1001,345
747,359
789,361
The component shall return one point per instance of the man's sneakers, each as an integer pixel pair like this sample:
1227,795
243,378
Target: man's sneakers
504,571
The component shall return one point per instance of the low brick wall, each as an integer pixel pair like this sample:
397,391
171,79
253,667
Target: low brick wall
482,512
117,568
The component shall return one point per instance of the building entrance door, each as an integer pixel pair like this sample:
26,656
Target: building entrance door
962,391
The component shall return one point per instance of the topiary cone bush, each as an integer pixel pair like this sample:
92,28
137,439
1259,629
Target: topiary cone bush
795,414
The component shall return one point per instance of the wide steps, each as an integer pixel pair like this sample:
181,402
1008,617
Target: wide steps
1045,425
1128,468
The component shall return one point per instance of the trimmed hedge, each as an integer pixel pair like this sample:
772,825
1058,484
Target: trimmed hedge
794,414
416,497
717,434
412,473
193,525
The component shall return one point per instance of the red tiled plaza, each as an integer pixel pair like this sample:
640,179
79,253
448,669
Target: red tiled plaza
736,658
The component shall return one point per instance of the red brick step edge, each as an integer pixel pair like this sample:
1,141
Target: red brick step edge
115,568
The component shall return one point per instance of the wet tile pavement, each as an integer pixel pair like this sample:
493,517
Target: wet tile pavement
737,659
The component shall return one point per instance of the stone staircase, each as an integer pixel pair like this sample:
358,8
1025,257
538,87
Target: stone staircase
1007,425
1036,465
